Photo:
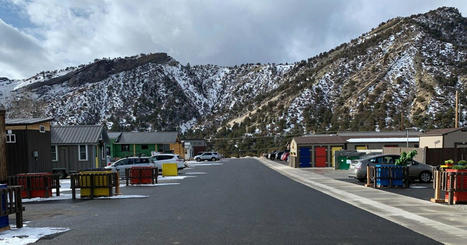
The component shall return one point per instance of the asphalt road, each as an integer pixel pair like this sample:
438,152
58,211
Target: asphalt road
240,202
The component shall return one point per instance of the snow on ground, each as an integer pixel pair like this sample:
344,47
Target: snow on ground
53,198
28,235
161,178
123,197
195,164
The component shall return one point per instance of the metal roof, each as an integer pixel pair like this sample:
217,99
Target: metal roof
147,138
322,139
384,134
383,140
442,131
114,135
26,121
79,134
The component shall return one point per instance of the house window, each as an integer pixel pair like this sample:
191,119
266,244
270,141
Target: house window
125,147
144,147
10,138
42,128
83,152
53,150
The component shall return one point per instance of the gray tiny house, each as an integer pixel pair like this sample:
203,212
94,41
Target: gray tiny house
76,148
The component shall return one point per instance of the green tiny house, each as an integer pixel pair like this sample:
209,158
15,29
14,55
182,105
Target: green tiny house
125,144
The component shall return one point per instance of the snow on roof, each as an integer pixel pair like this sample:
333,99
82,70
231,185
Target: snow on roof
383,140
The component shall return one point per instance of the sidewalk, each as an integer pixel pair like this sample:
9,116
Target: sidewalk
443,223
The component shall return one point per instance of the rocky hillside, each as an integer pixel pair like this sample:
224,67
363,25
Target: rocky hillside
403,73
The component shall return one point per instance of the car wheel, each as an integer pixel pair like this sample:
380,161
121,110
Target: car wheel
213,159
198,160
362,180
425,177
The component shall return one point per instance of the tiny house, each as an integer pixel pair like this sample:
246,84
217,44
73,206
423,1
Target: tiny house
28,145
79,147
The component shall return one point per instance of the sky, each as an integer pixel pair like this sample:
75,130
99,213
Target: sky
39,35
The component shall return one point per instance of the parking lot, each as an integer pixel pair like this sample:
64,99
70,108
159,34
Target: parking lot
423,191
234,201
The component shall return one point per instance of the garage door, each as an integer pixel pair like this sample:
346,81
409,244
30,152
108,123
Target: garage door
320,156
333,154
305,157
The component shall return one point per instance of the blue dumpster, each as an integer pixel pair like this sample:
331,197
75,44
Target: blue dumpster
4,219
382,175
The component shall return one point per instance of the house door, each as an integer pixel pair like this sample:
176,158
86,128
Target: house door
320,156
63,158
333,154
305,157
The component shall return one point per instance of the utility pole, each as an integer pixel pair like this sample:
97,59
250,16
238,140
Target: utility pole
456,124
3,170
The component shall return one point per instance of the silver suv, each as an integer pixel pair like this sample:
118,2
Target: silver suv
208,156
417,170
129,162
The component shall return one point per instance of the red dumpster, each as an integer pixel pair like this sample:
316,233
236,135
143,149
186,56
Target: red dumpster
141,175
38,184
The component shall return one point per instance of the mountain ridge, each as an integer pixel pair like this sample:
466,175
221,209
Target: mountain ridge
401,73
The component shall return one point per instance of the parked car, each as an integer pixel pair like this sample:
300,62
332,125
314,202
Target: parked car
129,162
272,155
421,171
208,156
285,156
160,159
278,155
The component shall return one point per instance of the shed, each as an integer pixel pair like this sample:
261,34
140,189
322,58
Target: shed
28,145
444,138
78,147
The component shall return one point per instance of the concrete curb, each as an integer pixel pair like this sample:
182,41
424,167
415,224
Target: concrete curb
446,224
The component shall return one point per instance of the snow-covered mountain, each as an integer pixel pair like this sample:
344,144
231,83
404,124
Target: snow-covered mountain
402,73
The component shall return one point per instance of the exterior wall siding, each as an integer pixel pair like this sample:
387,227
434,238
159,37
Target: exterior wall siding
68,158
431,141
20,158
452,140
378,146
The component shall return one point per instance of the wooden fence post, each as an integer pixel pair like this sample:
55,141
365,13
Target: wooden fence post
437,187
451,189
368,178
117,183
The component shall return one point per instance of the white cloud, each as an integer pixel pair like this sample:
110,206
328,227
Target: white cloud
20,54
66,33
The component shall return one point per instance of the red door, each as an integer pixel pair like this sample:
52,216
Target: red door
320,156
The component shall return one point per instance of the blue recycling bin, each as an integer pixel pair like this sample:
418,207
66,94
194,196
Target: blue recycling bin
4,219
382,175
